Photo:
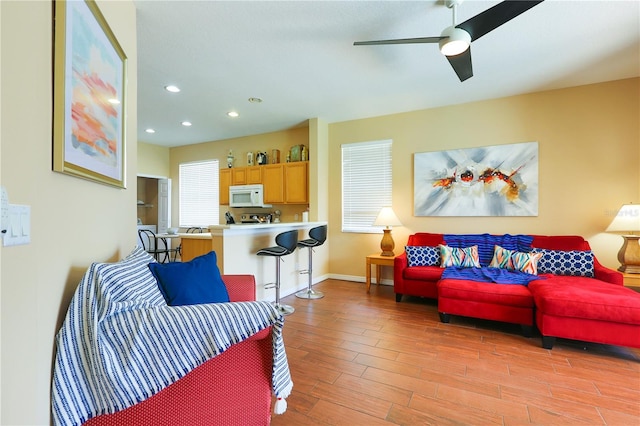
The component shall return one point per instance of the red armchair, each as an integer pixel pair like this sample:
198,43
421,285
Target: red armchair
233,388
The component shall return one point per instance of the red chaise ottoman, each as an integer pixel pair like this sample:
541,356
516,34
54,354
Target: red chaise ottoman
497,302
582,308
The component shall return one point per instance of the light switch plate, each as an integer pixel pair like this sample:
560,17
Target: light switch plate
19,226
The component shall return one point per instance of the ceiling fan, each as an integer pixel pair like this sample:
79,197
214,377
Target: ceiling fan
455,41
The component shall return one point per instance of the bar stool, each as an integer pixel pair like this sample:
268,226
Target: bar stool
286,244
318,236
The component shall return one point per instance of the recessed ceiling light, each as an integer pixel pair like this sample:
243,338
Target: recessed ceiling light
150,131
186,123
255,100
232,114
172,89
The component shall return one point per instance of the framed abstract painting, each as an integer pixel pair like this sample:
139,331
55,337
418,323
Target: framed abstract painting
497,180
89,95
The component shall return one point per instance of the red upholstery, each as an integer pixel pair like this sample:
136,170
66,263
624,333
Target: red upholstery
417,281
233,388
598,310
586,309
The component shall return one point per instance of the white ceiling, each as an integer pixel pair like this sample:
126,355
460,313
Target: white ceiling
298,56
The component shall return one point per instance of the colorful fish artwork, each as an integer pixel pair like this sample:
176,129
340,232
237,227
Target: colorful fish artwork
487,181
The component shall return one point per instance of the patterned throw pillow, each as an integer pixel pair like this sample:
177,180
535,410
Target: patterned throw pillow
422,255
501,258
558,262
515,260
465,257
526,262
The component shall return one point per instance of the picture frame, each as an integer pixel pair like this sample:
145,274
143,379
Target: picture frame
89,95
498,180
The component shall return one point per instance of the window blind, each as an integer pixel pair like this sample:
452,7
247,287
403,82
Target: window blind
366,184
199,193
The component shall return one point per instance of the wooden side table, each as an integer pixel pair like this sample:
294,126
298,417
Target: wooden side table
631,280
378,260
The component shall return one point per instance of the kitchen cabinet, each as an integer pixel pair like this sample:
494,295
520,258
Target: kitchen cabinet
225,182
296,186
273,183
254,175
284,183
239,176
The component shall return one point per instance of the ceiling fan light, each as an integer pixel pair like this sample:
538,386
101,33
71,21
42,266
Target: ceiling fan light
457,41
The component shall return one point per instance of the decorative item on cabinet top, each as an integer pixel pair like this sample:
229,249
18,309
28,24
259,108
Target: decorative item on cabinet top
298,153
261,158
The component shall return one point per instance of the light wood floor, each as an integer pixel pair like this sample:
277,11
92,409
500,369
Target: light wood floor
359,359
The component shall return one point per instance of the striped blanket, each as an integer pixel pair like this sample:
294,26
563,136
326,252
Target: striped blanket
120,343
486,243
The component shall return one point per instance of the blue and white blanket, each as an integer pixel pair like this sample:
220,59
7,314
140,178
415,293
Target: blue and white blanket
120,343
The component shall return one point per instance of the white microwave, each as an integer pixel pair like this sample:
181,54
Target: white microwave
247,196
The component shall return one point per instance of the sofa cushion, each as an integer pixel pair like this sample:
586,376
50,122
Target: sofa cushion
560,262
588,298
473,291
191,283
515,260
466,257
424,273
422,255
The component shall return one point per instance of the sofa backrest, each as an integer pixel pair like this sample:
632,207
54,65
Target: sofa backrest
549,242
560,242
425,239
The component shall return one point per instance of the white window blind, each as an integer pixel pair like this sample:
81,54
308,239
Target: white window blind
199,193
366,184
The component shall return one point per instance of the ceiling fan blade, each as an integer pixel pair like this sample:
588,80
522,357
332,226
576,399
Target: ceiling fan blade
495,16
399,41
462,64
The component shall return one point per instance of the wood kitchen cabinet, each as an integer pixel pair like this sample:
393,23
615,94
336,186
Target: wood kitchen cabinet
296,183
225,182
284,183
254,175
273,183
239,176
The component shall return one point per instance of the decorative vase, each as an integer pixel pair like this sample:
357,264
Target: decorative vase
230,159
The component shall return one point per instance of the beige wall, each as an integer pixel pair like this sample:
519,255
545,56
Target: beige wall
153,160
589,156
74,222
265,142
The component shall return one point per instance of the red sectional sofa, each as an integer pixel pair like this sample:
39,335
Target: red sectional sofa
596,309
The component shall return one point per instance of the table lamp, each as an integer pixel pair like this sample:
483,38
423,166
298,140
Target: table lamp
387,218
627,221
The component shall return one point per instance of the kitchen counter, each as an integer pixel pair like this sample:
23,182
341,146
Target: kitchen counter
236,246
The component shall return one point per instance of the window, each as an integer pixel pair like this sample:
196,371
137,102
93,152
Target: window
366,184
199,193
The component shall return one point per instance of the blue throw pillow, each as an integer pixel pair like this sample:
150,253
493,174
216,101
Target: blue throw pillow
191,283
573,262
422,255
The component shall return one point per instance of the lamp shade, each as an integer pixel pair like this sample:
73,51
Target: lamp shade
627,220
387,218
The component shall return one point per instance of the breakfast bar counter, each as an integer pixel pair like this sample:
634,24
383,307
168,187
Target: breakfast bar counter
236,246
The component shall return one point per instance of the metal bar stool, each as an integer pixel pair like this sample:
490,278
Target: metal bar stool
318,236
286,244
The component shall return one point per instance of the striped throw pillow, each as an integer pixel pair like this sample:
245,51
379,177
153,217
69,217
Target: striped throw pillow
466,257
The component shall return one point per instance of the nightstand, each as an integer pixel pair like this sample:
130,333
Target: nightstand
631,280
378,260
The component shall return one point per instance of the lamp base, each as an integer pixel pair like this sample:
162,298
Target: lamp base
387,244
629,255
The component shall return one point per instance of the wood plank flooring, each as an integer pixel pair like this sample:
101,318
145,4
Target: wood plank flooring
363,359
